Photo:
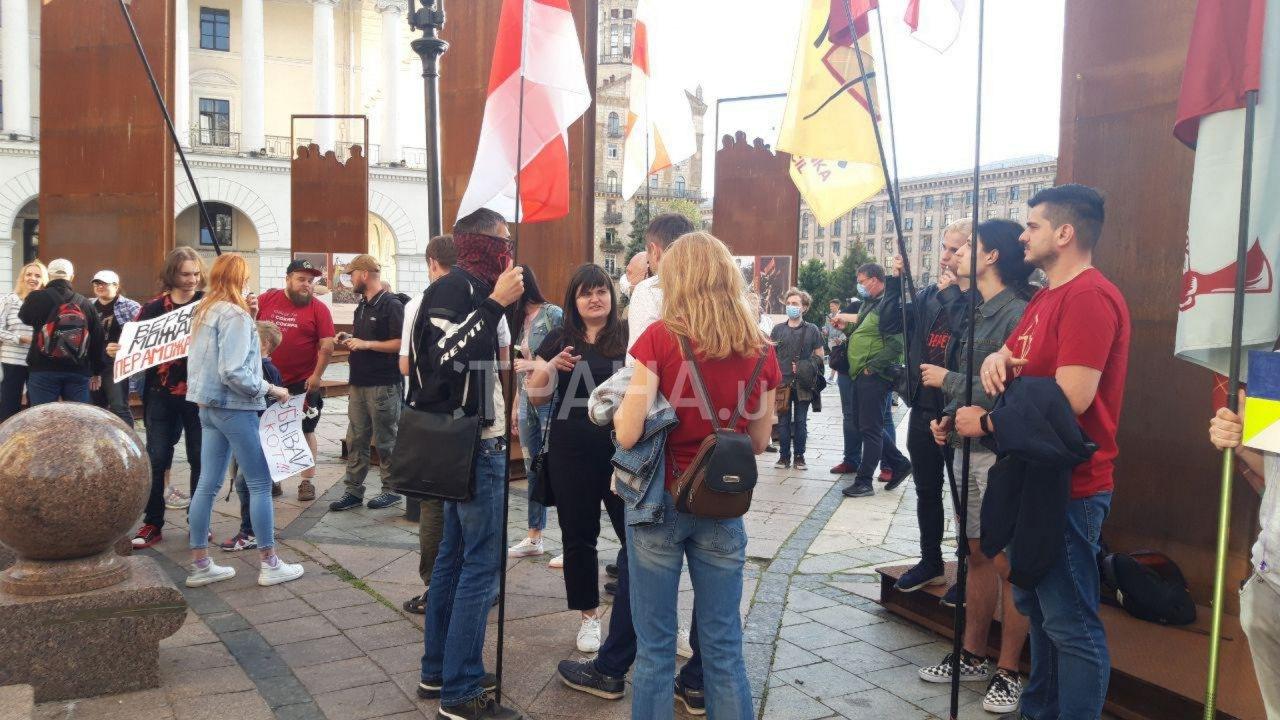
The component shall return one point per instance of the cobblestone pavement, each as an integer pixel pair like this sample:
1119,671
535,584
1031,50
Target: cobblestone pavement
336,644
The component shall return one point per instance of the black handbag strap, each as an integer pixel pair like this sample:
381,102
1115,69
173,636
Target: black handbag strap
700,387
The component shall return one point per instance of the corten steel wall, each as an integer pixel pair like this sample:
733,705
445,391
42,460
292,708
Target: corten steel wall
553,249
1120,82
106,159
330,202
757,207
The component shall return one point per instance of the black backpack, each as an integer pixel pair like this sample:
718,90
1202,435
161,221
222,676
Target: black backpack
65,335
1147,585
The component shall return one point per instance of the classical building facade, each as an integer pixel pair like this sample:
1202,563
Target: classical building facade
682,181
929,204
242,69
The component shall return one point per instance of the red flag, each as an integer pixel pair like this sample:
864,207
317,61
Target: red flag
846,13
1223,63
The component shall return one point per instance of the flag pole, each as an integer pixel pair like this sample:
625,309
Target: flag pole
1233,403
962,535
888,184
168,122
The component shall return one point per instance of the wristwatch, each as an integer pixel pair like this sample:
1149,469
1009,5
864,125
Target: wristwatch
986,423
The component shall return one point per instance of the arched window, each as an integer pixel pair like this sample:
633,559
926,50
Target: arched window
615,124
613,181
680,186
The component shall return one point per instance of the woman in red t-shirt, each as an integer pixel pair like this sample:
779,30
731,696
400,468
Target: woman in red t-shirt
705,302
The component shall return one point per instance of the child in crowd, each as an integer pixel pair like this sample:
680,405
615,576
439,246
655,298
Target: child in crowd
269,338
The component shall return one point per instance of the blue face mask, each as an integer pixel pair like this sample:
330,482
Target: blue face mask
793,312
862,290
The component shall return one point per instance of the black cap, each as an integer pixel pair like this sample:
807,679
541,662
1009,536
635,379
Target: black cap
302,265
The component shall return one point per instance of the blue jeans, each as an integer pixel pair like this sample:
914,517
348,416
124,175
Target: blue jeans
463,581
225,433
717,551
532,422
849,421
46,386
793,427
1070,665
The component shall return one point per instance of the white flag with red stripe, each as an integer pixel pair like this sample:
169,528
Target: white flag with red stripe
660,121
935,23
537,42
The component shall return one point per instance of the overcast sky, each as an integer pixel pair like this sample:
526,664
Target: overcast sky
746,47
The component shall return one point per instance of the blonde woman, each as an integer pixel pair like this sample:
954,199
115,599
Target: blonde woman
15,338
224,378
705,305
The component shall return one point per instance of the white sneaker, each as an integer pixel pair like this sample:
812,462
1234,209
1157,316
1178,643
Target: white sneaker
210,574
589,635
556,563
175,499
683,648
527,547
283,572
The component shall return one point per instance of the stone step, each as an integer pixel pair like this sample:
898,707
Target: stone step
17,702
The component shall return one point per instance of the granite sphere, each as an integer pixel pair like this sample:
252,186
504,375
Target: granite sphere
73,480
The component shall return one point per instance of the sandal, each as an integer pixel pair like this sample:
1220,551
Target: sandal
416,605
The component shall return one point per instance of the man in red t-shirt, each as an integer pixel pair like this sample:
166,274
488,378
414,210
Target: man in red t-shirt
1076,331
303,355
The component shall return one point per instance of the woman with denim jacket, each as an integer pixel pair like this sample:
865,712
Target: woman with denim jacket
534,318
224,378
1003,291
705,304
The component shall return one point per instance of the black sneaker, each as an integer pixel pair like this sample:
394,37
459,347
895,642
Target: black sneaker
611,588
430,689
611,570
800,463
1004,693
952,598
921,575
346,502
771,448
385,500
900,475
694,701
972,669
485,707
583,676
858,489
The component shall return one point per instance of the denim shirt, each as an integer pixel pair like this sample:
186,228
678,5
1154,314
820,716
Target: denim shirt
640,473
224,365
996,319
548,318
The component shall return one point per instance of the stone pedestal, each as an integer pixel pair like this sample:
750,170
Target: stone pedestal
92,643
17,702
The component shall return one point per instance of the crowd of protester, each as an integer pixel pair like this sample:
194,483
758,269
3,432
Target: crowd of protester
615,398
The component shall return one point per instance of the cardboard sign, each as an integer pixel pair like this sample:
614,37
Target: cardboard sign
147,343
283,443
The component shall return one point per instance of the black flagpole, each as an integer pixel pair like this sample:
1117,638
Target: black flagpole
430,47
888,186
168,121
962,574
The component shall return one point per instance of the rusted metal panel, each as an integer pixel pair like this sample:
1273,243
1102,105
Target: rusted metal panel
330,197
106,158
757,207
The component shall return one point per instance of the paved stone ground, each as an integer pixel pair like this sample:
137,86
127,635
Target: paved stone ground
336,645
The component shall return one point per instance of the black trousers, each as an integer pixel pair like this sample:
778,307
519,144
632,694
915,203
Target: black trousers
871,392
927,460
11,387
167,418
580,465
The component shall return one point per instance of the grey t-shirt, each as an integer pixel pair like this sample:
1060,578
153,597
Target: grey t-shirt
795,343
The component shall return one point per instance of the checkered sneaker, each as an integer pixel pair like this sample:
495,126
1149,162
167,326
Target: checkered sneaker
972,669
1003,693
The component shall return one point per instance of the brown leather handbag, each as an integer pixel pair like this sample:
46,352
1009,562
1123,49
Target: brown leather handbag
719,482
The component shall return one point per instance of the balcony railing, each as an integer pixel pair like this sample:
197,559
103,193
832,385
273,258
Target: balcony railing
613,218
217,142
15,137
659,192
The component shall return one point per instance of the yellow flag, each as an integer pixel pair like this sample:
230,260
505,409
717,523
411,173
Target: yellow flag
828,127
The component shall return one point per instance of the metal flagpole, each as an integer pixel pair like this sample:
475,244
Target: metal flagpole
168,121
430,47
962,574
1233,403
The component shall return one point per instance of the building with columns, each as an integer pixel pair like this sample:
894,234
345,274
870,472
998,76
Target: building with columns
242,69
929,204
682,181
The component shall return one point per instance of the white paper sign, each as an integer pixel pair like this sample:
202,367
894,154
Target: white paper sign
147,343
283,443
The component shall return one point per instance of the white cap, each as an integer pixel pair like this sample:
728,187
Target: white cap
107,276
61,269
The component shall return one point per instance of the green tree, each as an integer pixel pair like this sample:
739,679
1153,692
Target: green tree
639,226
687,208
843,281
814,279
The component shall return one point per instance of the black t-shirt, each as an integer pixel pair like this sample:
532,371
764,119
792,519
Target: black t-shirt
935,344
107,316
575,387
795,344
377,321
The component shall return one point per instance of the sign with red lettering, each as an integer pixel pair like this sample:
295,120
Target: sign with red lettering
283,442
147,343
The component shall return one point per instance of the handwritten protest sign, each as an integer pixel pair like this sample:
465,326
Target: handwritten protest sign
280,431
147,343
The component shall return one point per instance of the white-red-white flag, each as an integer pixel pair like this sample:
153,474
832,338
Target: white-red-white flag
537,42
659,130
1235,48
935,23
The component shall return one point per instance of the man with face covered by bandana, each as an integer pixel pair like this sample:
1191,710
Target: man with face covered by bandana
453,367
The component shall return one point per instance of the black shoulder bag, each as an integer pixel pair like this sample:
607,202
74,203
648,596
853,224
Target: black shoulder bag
539,468
435,452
